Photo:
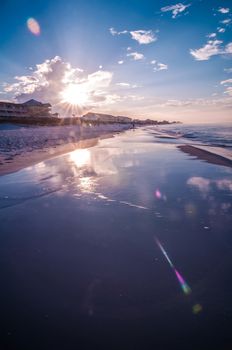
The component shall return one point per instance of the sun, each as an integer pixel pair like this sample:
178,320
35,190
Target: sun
75,94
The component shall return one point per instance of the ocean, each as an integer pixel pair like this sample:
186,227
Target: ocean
219,135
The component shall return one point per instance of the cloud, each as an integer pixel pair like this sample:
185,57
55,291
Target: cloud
134,98
228,81
228,90
212,48
175,9
225,103
224,10
162,66
221,30
141,36
136,56
158,66
212,35
120,62
226,21
228,48
114,32
127,85
49,80
123,84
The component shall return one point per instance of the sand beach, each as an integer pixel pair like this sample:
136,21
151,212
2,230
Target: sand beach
117,244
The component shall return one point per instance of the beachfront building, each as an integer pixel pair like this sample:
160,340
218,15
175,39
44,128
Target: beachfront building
31,108
105,118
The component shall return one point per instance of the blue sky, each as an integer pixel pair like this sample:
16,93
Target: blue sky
145,59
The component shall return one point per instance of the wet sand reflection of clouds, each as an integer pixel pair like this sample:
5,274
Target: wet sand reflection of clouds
205,185
206,189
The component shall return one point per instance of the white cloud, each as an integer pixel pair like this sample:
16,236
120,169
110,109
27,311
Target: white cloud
228,48
127,85
160,66
134,97
175,9
212,48
114,32
224,10
225,103
120,62
227,81
221,30
212,35
49,80
123,84
153,62
228,90
143,36
226,21
136,56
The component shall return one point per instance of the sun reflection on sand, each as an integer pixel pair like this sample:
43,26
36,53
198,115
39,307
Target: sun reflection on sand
80,157
87,184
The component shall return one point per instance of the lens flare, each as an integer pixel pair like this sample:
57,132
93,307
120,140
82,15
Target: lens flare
164,252
197,308
158,194
33,26
184,286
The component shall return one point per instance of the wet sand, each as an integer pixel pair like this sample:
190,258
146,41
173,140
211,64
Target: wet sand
27,146
27,159
123,245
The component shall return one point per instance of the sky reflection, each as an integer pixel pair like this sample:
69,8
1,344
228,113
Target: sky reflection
100,225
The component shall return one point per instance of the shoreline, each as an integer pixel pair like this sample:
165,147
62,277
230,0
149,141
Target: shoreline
38,146
204,153
26,157
34,157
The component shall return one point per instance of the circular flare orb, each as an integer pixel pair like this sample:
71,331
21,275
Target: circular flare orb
33,26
